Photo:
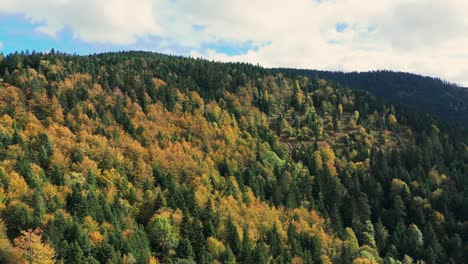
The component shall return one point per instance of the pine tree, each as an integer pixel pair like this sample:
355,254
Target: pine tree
275,241
246,254
232,237
261,253
228,256
185,250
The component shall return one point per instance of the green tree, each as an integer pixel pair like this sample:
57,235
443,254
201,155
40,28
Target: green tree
163,235
246,254
185,250
228,256
232,237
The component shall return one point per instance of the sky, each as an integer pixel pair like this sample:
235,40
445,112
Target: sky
428,37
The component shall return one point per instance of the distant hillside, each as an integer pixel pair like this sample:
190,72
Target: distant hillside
445,100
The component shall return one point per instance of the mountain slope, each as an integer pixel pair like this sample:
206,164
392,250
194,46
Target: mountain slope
445,100
138,157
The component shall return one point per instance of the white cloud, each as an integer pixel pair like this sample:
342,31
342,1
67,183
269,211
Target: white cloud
1,45
115,21
423,36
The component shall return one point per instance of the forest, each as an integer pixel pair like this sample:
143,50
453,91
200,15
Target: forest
140,157
447,101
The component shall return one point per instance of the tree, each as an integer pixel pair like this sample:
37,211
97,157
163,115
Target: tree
356,116
275,241
33,249
8,254
247,247
352,241
381,235
73,253
261,252
414,240
232,237
139,246
18,216
184,249
162,234
129,259
368,234
228,256
315,249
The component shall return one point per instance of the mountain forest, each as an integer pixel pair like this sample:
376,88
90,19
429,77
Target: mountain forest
139,157
445,100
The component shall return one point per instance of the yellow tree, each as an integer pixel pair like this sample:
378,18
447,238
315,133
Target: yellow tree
8,254
33,249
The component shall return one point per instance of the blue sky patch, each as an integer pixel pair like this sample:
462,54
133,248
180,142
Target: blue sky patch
21,35
198,28
372,28
231,49
341,26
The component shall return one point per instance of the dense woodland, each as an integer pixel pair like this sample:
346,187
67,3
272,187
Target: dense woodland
445,100
138,157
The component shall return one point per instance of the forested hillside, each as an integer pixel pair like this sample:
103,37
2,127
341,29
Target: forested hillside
445,100
138,157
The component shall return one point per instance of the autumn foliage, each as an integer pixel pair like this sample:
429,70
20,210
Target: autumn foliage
143,158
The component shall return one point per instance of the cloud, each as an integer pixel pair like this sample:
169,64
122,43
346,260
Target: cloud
426,37
423,36
115,21
415,24
1,45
